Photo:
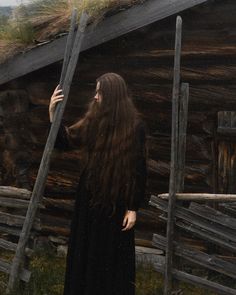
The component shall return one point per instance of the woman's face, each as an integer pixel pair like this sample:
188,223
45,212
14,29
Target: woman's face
98,96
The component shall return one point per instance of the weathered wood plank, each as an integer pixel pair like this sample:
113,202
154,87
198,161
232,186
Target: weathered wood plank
24,274
204,234
197,257
17,220
201,197
207,235
183,213
13,192
213,215
124,22
199,282
173,186
15,203
7,245
183,117
67,75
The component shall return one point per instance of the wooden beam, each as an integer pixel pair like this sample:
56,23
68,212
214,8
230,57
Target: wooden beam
173,186
213,215
201,197
36,198
197,281
17,220
220,235
183,118
24,273
112,27
13,192
204,234
197,257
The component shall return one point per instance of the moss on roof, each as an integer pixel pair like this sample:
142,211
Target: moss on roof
42,20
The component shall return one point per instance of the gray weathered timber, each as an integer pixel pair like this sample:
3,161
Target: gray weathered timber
112,27
13,192
44,165
185,214
17,220
24,275
200,282
15,203
201,197
204,234
213,215
207,235
183,117
7,245
10,230
209,261
69,45
174,158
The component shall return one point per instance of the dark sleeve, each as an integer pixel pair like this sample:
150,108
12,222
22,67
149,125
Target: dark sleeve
140,169
64,140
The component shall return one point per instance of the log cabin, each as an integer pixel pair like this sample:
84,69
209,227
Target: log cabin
137,43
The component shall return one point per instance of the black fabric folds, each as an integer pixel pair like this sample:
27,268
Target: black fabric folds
101,257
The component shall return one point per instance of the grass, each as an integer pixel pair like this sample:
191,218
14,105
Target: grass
41,20
48,276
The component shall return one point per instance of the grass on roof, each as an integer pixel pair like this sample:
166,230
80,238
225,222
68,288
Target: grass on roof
42,20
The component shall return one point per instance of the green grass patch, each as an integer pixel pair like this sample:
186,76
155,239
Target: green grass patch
48,277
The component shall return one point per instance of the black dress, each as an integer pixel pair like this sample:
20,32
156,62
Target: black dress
101,257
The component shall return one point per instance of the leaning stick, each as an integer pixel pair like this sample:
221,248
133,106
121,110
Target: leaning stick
68,72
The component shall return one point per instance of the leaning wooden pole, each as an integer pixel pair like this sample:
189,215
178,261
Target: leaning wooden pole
174,152
44,165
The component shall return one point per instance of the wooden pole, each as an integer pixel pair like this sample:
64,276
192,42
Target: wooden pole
174,151
202,197
183,117
44,165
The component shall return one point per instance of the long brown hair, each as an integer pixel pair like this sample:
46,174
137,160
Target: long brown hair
107,133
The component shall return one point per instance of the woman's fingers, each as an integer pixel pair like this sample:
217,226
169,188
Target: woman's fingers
56,101
57,91
125,220
130,223
128,226
58,96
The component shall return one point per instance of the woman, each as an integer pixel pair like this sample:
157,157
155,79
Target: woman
111,137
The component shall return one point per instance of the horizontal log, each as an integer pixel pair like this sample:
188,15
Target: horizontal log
226,131
146,254
198,257
13,192
64,204
197,281
15,203
17,220
201,197
24,274
8,245
199,147
14,231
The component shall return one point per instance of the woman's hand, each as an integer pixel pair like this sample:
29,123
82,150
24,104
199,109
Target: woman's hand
56,97
129,219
